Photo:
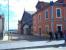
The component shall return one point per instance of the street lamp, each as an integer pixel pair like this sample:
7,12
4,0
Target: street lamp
8,19
52,17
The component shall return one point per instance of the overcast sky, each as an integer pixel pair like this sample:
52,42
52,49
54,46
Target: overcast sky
16,9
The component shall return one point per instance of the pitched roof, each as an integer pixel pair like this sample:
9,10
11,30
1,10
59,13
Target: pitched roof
26,18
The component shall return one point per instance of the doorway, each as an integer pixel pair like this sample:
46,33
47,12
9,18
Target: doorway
59,29
39,31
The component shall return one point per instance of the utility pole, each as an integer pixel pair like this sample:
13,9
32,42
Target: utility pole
52,17
8,19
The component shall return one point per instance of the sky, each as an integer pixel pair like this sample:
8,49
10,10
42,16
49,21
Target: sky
16,9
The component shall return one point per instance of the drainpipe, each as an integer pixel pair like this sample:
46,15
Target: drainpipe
52,17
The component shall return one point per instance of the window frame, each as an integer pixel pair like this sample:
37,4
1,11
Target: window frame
45,14
60,13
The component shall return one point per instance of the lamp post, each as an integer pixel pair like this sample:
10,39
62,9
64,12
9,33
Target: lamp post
52,17
8,19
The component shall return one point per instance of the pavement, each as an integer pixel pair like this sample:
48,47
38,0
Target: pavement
47,46
24,44
29,42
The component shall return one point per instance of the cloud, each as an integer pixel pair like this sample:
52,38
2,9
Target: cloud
3,2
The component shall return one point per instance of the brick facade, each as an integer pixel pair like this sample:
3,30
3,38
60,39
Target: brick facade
42,25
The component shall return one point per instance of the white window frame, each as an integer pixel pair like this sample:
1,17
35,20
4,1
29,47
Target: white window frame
45,13
58,25
60,13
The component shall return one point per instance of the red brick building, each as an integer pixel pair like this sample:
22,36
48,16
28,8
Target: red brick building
50,17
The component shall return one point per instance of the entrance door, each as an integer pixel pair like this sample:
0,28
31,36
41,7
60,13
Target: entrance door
39,31
59,28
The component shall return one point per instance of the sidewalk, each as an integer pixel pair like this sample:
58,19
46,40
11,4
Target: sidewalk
27,44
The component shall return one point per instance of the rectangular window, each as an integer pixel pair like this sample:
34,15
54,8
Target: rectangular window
58,12
39,18
46,14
